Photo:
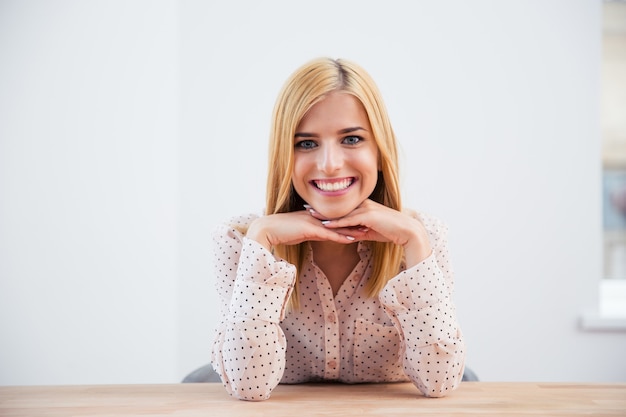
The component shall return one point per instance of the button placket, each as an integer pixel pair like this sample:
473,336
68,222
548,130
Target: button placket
332,344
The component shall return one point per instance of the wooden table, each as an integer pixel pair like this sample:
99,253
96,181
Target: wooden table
401,399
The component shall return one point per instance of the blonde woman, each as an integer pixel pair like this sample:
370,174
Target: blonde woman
335,281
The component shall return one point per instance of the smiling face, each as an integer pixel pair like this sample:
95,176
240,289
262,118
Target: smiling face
335,156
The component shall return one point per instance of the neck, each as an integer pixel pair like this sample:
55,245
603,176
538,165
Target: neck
323,250
336,261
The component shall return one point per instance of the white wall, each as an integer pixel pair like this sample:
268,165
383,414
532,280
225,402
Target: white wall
88,191
129,129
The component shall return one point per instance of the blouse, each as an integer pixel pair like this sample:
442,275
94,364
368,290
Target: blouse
409,332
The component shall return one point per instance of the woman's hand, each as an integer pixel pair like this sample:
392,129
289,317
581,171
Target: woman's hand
293,228
374,221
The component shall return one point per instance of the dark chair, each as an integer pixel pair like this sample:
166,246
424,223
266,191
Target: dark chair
469,375
203,374
207,374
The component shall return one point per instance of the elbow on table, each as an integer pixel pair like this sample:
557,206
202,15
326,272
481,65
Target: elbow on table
247,387
251,395
437,389
248,392
439,386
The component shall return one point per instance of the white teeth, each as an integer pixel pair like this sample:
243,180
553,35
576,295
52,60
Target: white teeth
333,186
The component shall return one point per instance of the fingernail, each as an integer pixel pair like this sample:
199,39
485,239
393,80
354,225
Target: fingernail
306,206
325,221
349,238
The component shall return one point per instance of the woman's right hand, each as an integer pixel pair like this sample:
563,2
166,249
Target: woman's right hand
293,228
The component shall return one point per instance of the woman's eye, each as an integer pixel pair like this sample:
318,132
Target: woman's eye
306,144
352,140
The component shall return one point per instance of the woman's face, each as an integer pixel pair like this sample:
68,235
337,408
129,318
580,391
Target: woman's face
335,156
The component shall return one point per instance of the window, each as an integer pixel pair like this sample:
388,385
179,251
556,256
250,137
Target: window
613,124
612,309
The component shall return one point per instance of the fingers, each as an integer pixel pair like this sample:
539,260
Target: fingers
340,235
349,222
321,233
369,221
313,213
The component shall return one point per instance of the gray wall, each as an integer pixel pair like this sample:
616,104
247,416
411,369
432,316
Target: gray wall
128,130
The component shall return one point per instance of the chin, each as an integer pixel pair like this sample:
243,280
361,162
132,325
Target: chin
333,214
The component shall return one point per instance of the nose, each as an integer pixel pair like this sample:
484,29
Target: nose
330,159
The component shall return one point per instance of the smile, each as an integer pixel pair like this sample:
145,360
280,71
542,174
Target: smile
333,185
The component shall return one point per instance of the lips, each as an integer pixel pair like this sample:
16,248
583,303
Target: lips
333,185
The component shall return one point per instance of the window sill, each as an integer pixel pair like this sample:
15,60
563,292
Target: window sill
611,315
596,321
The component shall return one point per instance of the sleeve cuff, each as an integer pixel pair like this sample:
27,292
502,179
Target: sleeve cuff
263,284
416,288
259,301
427,326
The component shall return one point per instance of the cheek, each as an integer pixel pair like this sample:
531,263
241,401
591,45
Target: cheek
297,173
370,162
371,167
372,155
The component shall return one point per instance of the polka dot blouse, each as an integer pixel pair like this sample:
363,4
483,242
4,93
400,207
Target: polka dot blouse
408,333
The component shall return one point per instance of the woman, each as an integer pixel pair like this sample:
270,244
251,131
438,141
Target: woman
335,282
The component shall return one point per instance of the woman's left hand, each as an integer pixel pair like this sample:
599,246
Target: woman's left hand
374,221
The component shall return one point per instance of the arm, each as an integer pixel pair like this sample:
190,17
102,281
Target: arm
249,348
419,302
253,286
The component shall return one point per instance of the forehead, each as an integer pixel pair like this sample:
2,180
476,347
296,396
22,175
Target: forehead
336,111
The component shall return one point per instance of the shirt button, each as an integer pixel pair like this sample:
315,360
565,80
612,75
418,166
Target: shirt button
332,364
331,318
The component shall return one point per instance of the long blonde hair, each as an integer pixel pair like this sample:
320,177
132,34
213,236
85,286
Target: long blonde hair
307,86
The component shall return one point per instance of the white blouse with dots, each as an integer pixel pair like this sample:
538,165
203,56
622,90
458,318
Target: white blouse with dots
408,332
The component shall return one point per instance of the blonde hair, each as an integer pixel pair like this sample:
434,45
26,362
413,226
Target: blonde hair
305,87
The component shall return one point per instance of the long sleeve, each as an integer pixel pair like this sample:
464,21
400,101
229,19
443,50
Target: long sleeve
253,286
419,302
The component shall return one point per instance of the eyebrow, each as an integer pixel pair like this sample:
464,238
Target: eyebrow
341,132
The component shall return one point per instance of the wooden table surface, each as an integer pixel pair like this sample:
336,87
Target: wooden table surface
400,399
